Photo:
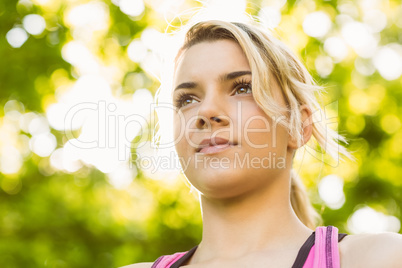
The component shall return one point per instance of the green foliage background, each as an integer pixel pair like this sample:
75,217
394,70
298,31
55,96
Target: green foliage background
55,218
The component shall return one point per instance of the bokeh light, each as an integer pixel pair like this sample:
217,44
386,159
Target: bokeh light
16,37
368,220
324,65
336,48
388,61
91,16
43,144
360,38
331,192
34,24
317,24
137,51
10,160
132,8
270,16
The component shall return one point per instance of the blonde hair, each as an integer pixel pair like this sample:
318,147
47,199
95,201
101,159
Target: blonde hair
267,55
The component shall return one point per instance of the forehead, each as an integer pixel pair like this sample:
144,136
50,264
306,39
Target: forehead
210,58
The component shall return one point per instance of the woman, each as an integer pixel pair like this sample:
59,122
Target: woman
244,105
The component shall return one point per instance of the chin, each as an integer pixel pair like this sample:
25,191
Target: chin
221,185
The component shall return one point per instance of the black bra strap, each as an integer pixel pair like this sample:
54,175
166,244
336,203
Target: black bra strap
304,251
341,236
184,258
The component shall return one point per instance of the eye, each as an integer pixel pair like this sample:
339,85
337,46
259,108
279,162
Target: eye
243,88
184,99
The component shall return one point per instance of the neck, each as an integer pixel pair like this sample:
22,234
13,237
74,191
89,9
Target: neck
261,220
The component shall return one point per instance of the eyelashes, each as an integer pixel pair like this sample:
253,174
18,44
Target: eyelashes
241,86
242,83
183,99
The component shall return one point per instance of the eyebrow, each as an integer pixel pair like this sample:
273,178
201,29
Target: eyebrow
222,78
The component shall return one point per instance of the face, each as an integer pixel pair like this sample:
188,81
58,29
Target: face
226,143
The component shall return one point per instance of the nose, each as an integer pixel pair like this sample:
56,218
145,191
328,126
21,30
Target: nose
212,112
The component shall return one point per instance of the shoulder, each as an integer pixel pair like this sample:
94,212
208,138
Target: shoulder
371,250
139,265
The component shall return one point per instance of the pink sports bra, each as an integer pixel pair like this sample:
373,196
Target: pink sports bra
320,250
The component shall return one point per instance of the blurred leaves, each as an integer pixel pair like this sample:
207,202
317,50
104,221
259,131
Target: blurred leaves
60,210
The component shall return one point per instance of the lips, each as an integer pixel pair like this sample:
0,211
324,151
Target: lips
214,144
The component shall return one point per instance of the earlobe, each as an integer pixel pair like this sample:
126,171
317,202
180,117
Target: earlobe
307,127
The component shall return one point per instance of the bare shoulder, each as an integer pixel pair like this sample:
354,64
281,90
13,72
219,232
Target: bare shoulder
139,265
371,250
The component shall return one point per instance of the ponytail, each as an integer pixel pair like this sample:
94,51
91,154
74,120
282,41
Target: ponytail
301,203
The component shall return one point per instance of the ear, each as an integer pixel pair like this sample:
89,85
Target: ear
307,127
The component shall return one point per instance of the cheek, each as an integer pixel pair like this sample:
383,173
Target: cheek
256,127
260,131
177,127
257,132
182,134
178,133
